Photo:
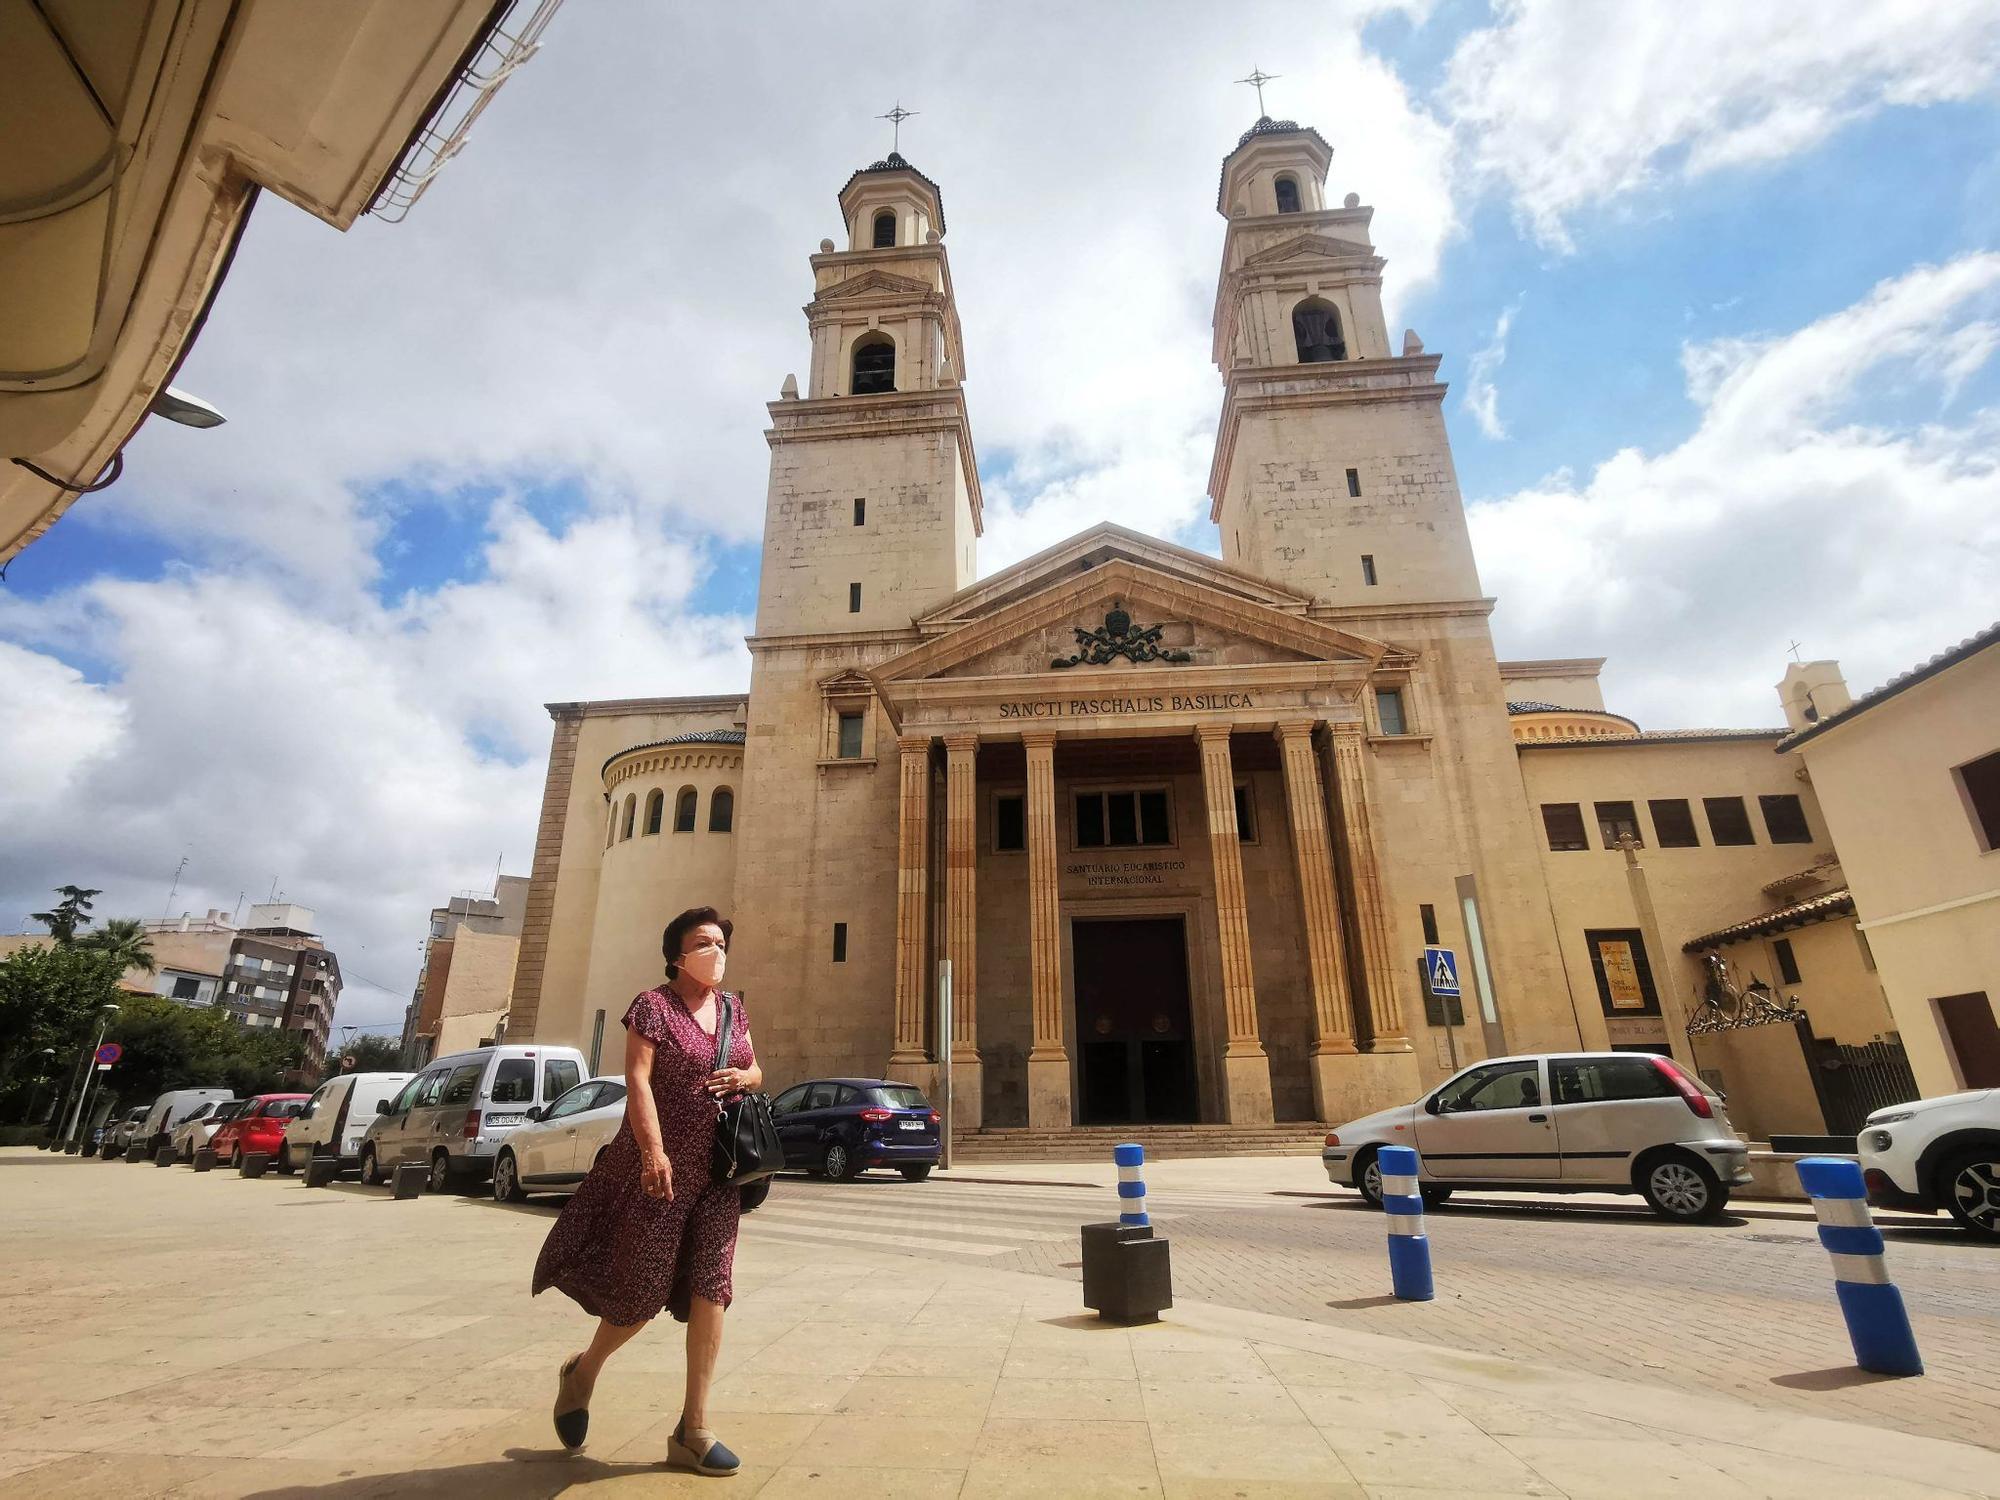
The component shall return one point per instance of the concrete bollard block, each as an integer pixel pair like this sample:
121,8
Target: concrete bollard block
137,1152
255,1164
204,1159
410,1179
69,1148
322,1170
164,1157
1127,1274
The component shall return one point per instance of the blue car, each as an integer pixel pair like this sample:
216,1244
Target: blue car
840,1127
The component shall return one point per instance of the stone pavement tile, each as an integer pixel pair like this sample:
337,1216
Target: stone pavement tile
1462,1463
132,1351
1623,1469
1079,1362
235,1478
234,1431
249,1388
1185,1487
528,1435
1411,1492
841,1442
76,1427
1496,1416
863,1484
1406,1412
813,1395
13,1462
767,1440
93,1476
39,1383
1071,1330
1072,1399
996,1333
1773,1477
1082,1449
1301,1367
1230,1450
938,1397
1173,1402
401,1432
1238,1366
333,1354
804,1351
975,1360
1013,1479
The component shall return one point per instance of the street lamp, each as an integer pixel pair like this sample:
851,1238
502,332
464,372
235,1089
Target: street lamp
90,1077
41,1077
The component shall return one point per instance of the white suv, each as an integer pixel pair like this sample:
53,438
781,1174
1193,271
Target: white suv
1937,1153
1561,1122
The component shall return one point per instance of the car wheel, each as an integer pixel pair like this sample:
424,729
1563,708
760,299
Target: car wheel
1682,1188
187,1149
1969,1184
370,1173
915,1173
1434,1196
838,1164
285,1168
440,1179
507,1180
1368,1180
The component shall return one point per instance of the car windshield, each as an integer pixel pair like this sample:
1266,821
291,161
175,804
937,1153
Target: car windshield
899,1096
284,1109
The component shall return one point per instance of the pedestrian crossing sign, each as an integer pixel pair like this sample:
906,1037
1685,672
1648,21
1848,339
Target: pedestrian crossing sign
1441,972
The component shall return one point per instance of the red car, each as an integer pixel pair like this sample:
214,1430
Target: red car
259,1126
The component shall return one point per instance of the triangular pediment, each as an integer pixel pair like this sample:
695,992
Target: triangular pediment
1172,622
877,282
1308,246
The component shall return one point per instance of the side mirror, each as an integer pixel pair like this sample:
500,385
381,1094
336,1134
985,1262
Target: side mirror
1434,1105
381,1106
535,1113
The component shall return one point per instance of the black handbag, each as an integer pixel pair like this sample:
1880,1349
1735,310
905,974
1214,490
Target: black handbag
747,1148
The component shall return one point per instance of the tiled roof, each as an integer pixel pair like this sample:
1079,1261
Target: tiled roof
1972,645
1265,126
693,737
1655,737
894,162
1533,706
1822,908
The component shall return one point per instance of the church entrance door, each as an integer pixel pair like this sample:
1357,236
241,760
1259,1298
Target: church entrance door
1134,1030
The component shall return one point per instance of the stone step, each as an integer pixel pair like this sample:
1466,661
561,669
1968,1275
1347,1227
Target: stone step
1094,1142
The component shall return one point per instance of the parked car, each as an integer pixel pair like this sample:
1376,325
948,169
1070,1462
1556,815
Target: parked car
456,1114
199,1128
1561,1122
258,1126
118,1135
560,1142
843,1126
1933,1154
171,1109
335,1119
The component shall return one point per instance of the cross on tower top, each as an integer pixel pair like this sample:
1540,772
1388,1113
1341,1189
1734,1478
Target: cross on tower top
895,117
1794,649
1257,79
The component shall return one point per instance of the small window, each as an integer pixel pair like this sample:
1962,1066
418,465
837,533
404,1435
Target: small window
849,747
1246,816
1316,332
656,808
462,1085
1354,482
1010,824
1368,569
559,1076
721,810
1563,822
885,230
1615,820
575,1102
1500,1086
847,1096
1591,1080
874,366
1121,819
854,598
840,942
1389,710
898,1096
186,989
631,812
1090,820
1288,195
684,806
1785,819
791,1099
860,511
514,1081
822,1096
1979,788
1673,823
1788,963
1429,917
1728,823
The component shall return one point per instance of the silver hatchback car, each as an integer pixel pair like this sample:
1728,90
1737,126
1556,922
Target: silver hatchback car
1565,1122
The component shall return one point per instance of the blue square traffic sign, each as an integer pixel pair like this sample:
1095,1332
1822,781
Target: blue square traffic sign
1441,972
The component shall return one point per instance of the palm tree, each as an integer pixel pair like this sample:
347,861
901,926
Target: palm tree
72,912
124,940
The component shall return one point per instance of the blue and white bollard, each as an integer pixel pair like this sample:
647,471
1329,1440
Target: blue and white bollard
1878,1325
1403,1202
1131,1161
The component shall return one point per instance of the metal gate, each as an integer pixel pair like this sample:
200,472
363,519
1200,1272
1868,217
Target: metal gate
1854,1082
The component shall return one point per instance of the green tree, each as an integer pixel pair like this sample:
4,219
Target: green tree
70,913
49,997
124,939
371,1054
170,1046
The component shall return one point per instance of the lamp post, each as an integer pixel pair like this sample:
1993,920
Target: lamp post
90,1074
41,1077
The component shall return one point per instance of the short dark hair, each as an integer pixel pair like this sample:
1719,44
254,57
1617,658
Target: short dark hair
675,937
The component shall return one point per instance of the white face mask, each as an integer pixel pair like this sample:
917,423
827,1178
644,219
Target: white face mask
703,961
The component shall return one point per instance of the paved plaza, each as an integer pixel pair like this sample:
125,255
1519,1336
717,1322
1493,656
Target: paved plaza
172,1333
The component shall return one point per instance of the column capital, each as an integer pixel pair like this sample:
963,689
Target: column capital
1350,730
1294,729
1209,733
961,744
914,744
1037,738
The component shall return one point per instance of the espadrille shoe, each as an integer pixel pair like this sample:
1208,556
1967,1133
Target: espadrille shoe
572,1415
701,1451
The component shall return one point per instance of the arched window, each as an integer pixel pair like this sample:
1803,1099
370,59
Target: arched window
885,229
684,811
611,827
1316,330
656,803
1288,195
721,810
631,811
874,365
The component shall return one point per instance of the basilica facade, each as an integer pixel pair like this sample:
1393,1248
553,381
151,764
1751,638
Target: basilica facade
1180,826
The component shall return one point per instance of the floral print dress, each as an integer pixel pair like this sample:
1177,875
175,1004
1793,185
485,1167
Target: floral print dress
622,1254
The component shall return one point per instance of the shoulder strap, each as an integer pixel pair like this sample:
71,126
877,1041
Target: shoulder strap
725,1022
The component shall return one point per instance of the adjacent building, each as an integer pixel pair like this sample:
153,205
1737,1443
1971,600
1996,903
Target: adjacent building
463,988
280,974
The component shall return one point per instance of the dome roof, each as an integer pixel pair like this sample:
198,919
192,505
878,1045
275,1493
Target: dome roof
894,162
1532,706
1266,126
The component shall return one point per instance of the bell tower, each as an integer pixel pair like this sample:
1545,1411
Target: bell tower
1332,470
873,510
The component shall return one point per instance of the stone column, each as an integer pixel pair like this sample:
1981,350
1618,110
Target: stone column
907,1061
1246,1071
1333,1006
961,924
1048,1062
1364,870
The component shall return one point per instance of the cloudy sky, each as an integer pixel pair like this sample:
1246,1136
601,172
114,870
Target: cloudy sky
1718,293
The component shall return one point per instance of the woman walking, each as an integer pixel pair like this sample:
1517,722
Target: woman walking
648,1229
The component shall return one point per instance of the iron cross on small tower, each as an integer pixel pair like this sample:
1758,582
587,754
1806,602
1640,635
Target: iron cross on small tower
895,117
1257,79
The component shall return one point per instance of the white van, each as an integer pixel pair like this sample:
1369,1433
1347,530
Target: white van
336,1118
171,1109
453,1116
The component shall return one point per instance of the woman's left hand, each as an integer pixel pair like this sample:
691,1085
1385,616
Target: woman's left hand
726,1081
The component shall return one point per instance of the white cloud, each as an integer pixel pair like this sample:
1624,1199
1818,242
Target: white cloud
1481,400
1570,106
1786,514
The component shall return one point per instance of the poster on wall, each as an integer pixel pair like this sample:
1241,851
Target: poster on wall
1621,975
1624,977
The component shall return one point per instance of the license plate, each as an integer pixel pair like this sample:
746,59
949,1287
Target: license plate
910,1125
